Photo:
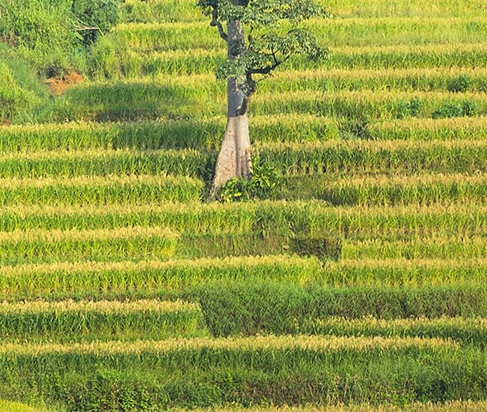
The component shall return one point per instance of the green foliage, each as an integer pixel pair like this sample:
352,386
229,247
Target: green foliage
51,35
267,46
323,248
95,17
350,371
412,108
456,109
460,83
264,182
15,99
42,32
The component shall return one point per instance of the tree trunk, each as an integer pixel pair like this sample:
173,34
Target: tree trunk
234,157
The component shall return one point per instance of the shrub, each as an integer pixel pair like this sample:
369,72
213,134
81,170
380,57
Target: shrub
95,17
42,32
264,182
14,98
460,83
456,109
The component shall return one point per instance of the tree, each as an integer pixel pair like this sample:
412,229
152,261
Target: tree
260,36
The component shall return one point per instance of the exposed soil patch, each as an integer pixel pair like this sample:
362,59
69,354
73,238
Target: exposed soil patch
59,84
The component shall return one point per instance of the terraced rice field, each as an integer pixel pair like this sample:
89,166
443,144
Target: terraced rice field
359,285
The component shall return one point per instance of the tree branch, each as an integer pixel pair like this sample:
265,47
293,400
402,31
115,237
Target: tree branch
216,23
267,70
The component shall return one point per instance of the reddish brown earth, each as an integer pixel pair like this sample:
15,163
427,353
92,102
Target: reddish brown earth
59,84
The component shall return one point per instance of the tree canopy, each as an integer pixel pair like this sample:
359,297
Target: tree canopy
273,35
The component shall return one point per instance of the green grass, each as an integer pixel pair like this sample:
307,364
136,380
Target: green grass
386,189
7,406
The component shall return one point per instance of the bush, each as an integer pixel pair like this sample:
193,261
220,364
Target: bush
456,109
52,35
42,32
460,84
264,182
14,98
95,17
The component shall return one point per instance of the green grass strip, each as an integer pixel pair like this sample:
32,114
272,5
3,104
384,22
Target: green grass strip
331,32
467,331
297,218
51,164
295,158
125,63
300,308
464,128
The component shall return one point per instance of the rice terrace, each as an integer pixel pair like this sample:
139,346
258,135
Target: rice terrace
342,268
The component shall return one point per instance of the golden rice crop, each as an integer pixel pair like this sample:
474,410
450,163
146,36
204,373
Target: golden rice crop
454,406
302,342
227,262
111,180
57,236
106,307
433,247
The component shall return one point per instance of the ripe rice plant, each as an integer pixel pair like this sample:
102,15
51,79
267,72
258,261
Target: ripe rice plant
98,245
297,158
368,104
434,247
51,164
99,190
391,79
403,57
395,8
465,128
154,278
141,100
387,190
359,285
155,135
131,64
404,272
184,10
308,218
458,406
69,321
332,32
160,372
471,331
359,156
18,407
